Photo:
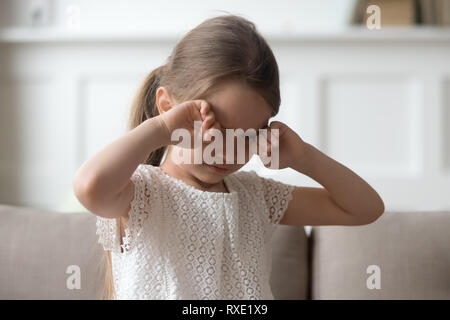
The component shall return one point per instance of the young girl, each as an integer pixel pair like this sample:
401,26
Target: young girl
201,231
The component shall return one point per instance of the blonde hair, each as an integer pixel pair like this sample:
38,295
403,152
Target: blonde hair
226,47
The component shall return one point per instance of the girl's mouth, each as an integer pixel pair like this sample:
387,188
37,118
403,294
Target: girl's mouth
216,168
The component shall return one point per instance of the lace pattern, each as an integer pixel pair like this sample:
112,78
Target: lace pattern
108,230
277,196
185,243
271,197
108,233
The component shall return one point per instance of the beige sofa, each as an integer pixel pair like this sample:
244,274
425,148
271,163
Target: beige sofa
411,250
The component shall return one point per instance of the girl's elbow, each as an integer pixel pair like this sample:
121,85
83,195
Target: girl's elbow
381,208
378,212
84,190
370,215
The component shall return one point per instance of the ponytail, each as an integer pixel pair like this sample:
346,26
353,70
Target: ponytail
144,107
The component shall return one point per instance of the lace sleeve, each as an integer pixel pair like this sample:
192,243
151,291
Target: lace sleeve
108,230
271,197
276,199
108,233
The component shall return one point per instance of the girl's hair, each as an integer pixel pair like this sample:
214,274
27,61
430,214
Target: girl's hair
226,47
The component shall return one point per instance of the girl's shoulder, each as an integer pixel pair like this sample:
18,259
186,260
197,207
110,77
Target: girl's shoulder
146,169
146,174
251,178
269,196
146,178
260,186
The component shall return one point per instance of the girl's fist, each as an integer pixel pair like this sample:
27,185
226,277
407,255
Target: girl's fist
184,115
288,144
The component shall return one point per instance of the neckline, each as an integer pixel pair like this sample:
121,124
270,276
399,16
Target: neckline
226,181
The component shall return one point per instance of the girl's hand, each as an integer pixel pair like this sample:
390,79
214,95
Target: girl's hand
290,146
182,116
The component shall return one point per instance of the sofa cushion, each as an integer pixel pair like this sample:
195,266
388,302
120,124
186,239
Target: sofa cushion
37,247
411,250
289,276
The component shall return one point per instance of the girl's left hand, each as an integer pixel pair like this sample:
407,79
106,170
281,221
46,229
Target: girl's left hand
290,146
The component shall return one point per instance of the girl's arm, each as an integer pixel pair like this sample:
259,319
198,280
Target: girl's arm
103,183
346,198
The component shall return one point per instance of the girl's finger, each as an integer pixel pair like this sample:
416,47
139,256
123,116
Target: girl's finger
268,135
214,128
262,137
264,145
208,121
217,125
204,108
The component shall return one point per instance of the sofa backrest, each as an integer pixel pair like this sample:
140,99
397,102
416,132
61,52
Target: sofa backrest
38,248
289,278
411,250
408,252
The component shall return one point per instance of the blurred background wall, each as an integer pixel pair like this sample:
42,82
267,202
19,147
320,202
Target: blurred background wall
176,16
376,100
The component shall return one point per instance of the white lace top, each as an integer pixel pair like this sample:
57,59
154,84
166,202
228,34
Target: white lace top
185,243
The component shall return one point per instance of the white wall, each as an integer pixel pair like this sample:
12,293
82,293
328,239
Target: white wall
177,15
377,101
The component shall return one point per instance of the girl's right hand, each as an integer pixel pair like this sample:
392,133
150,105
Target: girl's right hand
183,115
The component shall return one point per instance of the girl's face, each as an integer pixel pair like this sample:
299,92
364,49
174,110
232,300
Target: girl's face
235,106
